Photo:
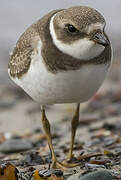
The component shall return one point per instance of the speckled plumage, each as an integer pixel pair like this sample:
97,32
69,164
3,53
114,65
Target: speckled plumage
20,61
88,16
26,46
21,55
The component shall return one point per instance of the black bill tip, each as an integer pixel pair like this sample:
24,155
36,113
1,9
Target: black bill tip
100,38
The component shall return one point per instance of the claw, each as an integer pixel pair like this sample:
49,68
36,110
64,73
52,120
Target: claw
64,166
58,165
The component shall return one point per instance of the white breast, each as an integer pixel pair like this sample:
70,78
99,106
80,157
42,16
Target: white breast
63,87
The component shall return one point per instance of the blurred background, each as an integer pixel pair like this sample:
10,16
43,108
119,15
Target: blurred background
17,110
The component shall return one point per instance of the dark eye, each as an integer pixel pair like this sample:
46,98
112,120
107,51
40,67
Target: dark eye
96,36
71,28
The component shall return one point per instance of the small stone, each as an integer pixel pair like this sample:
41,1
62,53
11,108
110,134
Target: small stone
32,158
94,142
15,145
48,173
108,141
101,175
93,166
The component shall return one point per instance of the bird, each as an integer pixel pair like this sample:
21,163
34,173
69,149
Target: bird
62,58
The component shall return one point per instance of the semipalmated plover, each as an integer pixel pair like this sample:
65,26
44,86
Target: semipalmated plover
62,58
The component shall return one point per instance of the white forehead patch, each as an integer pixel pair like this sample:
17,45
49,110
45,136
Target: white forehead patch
81,49
93,27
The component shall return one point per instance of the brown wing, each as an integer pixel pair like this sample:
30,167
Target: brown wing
19,62
21,57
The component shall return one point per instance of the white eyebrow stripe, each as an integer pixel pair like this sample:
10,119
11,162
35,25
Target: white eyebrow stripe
93,27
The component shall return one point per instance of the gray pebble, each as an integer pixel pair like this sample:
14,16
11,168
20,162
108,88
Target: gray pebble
93,166
108,141
15,145
47,173
97,175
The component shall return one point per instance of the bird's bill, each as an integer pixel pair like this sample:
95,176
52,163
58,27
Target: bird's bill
100,38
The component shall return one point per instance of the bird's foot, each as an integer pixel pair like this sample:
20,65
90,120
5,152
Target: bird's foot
58,165
70,162
64,165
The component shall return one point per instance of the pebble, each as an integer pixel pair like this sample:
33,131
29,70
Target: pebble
15,145
101,175
94,142
32,158
93,166
108,141
26,174
49,172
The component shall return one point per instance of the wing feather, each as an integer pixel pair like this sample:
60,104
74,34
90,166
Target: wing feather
21,56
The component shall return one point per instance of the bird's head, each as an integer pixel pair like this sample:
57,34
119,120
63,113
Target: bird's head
79,32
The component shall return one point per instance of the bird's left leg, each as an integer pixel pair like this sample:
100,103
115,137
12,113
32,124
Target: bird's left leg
74,124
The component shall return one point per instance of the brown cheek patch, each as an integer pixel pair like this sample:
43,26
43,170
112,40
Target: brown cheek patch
64,36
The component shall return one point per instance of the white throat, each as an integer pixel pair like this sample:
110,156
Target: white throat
81,49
